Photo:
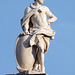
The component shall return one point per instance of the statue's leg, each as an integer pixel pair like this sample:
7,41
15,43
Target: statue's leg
36,66
41,45
41,60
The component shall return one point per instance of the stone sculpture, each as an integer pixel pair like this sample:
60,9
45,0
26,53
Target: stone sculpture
33,42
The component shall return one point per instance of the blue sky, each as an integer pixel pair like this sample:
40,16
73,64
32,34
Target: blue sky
60,58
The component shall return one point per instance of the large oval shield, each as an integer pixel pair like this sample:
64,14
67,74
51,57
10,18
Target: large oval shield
24,54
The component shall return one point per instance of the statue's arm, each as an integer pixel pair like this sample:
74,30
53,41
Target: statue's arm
50,15
25,25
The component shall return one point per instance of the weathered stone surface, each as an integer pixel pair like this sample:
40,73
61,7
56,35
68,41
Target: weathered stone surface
33,43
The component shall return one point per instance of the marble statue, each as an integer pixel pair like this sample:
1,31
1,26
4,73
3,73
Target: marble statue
33,42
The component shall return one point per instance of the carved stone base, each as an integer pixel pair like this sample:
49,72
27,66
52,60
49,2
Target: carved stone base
31,73
26,74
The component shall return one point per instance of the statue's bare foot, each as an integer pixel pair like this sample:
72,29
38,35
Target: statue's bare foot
35,67
43,69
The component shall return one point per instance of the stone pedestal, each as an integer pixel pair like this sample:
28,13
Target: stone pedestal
31,74
26,74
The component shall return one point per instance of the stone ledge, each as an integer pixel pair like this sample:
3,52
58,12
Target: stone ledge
26,74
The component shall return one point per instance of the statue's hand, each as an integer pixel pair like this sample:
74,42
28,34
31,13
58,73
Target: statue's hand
26,32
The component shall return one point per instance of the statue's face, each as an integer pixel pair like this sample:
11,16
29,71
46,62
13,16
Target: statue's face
40,1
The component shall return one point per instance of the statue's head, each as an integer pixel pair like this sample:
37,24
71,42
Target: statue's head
39,1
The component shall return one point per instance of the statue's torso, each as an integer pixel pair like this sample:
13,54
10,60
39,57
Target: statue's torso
39,18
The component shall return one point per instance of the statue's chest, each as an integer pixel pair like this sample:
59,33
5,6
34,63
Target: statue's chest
39,13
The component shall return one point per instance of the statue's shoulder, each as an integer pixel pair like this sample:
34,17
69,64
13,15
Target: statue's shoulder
27,10
46,8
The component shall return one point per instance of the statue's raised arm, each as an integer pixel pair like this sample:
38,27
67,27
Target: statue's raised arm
50,15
